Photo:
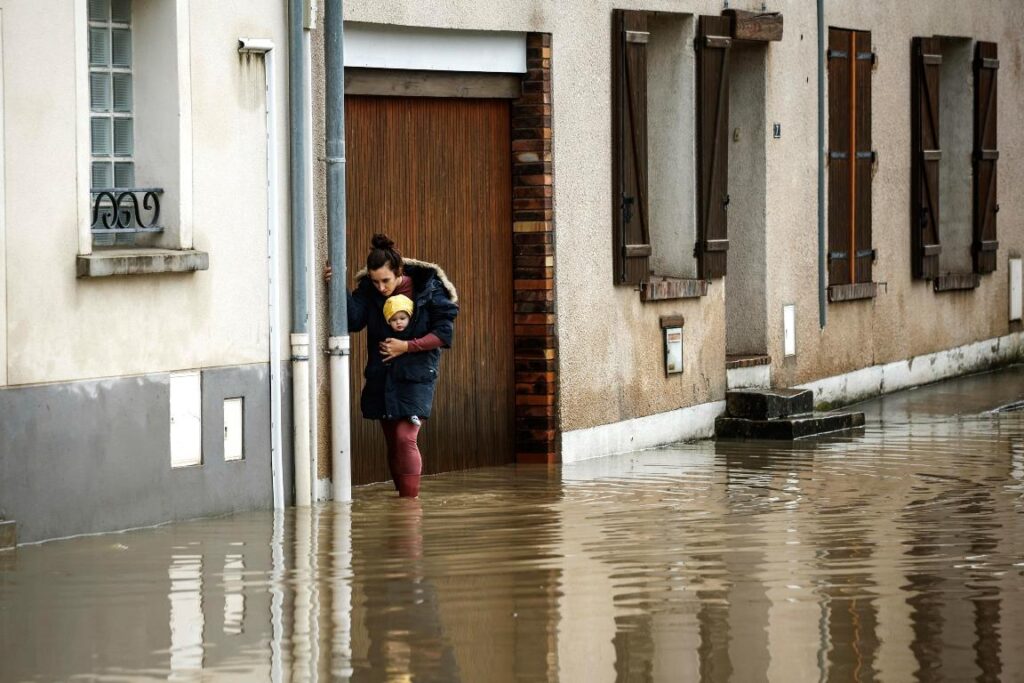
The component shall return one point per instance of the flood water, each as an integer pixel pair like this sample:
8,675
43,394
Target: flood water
895,554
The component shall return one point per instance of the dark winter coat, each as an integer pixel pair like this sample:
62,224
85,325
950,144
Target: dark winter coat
404,386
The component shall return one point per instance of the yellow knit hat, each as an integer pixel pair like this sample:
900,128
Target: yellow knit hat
397,304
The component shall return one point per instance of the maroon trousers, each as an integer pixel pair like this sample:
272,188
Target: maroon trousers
404,460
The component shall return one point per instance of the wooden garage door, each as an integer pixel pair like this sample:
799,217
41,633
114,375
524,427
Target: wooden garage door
435,174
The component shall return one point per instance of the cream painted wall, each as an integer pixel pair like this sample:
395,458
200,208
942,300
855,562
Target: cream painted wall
3,222
611,357
610,343
122,326
909,318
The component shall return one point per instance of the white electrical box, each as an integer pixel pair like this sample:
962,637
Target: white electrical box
234,421
186,419
673,350
1016,292
789,330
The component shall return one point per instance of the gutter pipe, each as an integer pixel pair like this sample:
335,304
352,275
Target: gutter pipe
339,343
298,148
822,156
265,47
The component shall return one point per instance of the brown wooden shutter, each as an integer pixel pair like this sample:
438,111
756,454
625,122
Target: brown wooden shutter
851,158
926,62
631,241
986,153
864,157
713,45
840,122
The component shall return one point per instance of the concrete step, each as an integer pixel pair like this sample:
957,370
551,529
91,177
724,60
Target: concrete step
8,534
786,428
768,404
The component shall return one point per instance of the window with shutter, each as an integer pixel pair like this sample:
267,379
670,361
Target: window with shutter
850,160
629,121
986,154
713,47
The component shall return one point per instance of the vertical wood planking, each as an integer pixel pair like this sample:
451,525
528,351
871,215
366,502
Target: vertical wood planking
435,174
629,132
713,47
863,159
839,161
986,155
926,61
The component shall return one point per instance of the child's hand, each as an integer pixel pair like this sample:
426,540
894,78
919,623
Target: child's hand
393,348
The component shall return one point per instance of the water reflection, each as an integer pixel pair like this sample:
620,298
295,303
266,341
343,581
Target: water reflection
893,555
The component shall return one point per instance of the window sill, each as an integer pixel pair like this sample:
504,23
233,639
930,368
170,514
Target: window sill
956,282
668,288
858,291
140,261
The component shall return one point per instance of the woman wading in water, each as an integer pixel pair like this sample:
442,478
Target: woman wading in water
401,373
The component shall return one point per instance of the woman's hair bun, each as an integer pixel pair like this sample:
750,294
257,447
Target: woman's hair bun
382,241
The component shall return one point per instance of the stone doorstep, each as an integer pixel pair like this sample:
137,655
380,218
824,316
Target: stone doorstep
786,429
768,404
8,534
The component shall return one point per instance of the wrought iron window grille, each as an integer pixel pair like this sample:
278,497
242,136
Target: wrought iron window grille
121,213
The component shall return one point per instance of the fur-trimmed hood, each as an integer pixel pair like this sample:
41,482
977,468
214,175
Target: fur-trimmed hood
425,268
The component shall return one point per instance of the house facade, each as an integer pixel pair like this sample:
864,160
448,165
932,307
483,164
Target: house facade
665,179
135,320
641,204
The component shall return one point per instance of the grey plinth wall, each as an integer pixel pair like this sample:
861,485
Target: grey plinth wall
90,456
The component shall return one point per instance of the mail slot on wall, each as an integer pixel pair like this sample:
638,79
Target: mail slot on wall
672,329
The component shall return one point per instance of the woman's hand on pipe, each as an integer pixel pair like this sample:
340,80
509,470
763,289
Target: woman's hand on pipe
393,348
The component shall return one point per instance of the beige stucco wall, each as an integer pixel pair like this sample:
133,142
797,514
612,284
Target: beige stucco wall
908,319
60,328
611,363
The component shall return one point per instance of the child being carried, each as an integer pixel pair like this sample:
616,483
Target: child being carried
398,312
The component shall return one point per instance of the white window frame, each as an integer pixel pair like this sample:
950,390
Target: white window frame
176,208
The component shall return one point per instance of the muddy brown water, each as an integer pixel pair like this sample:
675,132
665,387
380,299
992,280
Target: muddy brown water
895,554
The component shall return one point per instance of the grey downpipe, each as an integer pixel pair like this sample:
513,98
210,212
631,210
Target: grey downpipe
338,342
298,148
822,156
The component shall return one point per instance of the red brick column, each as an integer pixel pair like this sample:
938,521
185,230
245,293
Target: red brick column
536,343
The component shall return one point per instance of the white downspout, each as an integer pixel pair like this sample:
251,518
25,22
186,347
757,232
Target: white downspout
265,47
300,414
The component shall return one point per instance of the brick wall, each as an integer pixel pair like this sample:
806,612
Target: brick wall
536,346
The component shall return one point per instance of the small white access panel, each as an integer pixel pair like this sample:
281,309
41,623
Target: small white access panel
789,330
1016,292
673,350
186,419
233,422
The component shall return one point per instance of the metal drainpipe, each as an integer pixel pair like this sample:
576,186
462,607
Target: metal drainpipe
822,156
298,146
265,47
338,342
